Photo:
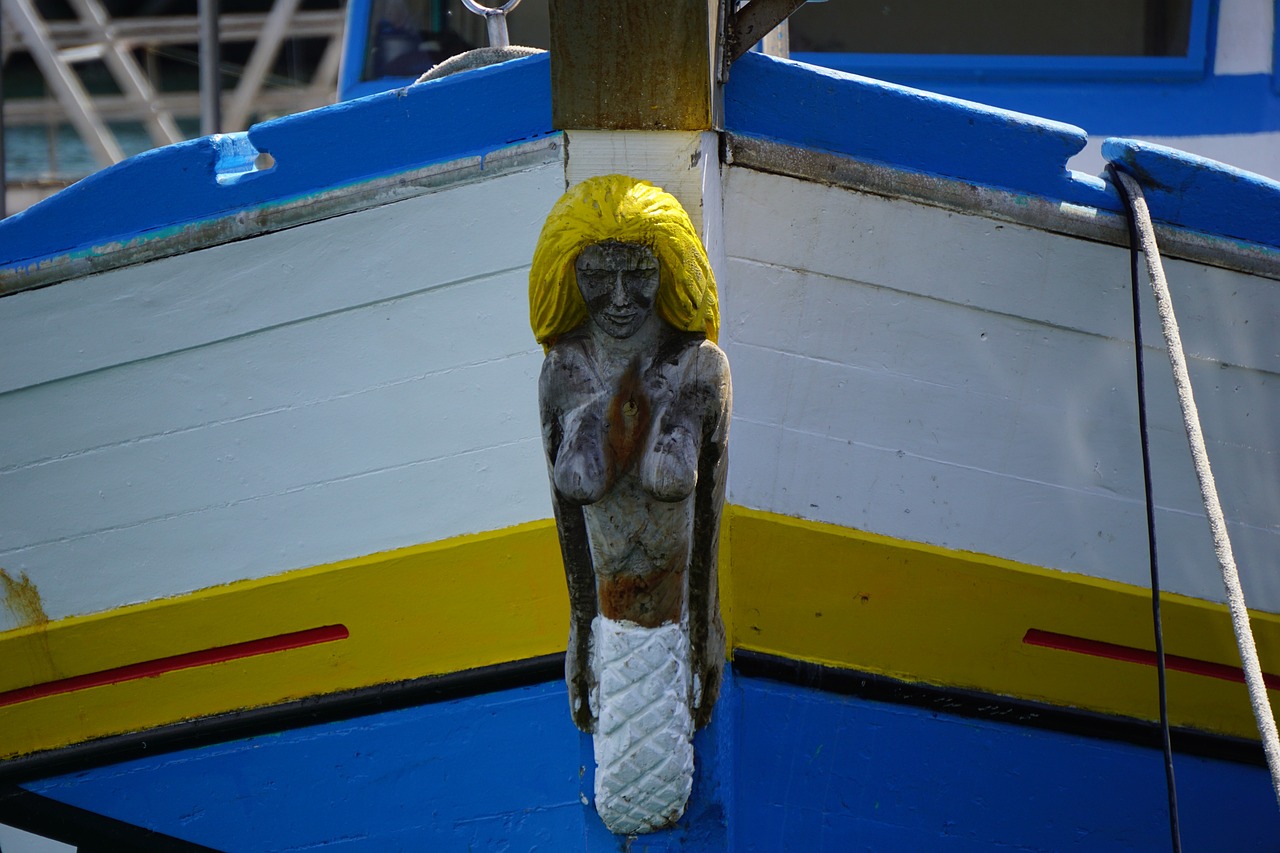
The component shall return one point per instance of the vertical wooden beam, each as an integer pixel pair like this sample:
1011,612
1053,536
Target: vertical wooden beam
633,64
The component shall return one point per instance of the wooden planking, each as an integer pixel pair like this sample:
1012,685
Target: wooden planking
969,260
1001,391
298,447
361,350
256,538
294,488
915,493
311,395
239,288
989,408
889,388
898,493
901,494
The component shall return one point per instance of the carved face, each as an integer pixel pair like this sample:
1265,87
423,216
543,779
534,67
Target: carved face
619,282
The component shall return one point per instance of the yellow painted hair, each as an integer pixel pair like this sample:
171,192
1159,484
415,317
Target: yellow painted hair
616,207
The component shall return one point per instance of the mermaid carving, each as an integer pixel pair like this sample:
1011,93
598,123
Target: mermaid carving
635,398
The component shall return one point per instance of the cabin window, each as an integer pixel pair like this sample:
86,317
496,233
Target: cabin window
407,37
994,37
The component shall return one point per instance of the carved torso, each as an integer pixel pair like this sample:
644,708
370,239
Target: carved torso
631,432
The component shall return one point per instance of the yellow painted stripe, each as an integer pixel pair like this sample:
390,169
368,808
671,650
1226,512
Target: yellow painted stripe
790,587
437,608
844,598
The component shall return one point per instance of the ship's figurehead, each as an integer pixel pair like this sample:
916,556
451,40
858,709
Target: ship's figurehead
635,398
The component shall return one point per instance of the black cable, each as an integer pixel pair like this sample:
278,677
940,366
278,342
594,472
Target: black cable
1134,275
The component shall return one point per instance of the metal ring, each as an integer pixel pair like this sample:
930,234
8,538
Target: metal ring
479,9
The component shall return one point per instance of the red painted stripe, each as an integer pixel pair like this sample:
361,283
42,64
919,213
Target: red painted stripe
159,666
1097,648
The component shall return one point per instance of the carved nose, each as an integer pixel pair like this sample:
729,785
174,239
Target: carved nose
619,291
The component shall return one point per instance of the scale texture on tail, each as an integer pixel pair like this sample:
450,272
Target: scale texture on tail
643,741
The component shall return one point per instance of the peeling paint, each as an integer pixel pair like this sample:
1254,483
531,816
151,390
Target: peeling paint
22,599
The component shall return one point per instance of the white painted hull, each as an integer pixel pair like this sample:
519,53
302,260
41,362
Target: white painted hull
367,382
949,378
359,384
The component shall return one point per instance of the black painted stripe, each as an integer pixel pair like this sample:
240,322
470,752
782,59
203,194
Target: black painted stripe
88,831
987,706
311,711
390,697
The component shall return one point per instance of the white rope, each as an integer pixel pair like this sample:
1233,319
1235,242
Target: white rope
1208,491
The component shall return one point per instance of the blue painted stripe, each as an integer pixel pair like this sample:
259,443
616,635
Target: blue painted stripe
781,768
162,191
448,776
169,187
934,134
502,771
836,773
907,128
1201,194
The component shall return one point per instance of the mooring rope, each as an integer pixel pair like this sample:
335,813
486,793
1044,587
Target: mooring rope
1208,491
1166,743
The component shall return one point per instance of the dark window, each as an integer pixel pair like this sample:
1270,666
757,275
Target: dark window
995,27
407,37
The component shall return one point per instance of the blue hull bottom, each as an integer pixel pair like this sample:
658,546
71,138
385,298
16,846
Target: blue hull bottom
782,768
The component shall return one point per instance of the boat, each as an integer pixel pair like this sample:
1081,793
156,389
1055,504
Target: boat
279,560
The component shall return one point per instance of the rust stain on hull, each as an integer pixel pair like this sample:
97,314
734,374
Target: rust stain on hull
22,599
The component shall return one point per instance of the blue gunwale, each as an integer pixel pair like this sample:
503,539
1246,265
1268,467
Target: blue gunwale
488,109
314,151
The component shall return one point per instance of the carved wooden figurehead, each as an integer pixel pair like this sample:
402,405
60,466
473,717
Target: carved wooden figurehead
635,399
